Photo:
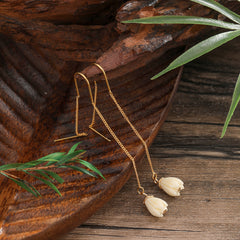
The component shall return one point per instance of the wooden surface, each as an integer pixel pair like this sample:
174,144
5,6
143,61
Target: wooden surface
188,146
33,132
37,105
39,55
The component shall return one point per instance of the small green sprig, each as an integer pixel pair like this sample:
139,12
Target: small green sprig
205,46
43,169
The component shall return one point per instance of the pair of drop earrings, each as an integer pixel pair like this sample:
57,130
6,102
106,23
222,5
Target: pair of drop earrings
171,185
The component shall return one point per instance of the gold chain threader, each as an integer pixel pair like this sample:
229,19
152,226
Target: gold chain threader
96,110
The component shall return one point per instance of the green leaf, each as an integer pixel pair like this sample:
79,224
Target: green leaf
199,50
35,163
52,161
55,156
235,101
26,187
28,165
51,158
219,8
91,167
73,148
10,166
68,157
34,189
23,185
80,170
50,184
55,176
172,19
41,172
58,159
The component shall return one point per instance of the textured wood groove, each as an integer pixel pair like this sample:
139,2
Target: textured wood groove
15,102
6,109
18,127
21,87
25,69
37,100
10,138
13,120
40,62
24,82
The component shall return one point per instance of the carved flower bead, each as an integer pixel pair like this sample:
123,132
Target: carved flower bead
156,206
171,185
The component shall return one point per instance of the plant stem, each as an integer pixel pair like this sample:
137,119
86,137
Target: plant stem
10,175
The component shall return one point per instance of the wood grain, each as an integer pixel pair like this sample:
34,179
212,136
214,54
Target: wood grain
37,100
82,194
188,146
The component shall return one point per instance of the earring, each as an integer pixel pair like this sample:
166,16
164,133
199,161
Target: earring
156,206
171,185
77,134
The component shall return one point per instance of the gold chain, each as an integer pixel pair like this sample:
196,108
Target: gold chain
140,188
154,175
96,110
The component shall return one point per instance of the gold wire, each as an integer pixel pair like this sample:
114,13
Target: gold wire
94,110
71,137
154,175
76,116
140,188
77,111
93,117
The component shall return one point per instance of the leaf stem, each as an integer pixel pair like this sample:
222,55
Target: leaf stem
41,167
9,174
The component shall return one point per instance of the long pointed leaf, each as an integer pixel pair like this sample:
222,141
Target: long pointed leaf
50,184
172,19
56,156
37,162
55,176
23,185
41,172
9,166
28,165
35,190
69,157
73,148
52,161
91,167
219,8
235,101
199,50
81,170
26,187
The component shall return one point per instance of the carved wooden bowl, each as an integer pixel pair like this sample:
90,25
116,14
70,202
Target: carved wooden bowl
42,44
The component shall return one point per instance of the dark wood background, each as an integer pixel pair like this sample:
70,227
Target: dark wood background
42,44
189,147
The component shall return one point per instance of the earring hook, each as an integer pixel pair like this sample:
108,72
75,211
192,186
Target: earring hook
93,101
88,85
105,76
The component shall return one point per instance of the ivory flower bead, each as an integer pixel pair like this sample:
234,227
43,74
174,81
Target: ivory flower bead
171,185
156,206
